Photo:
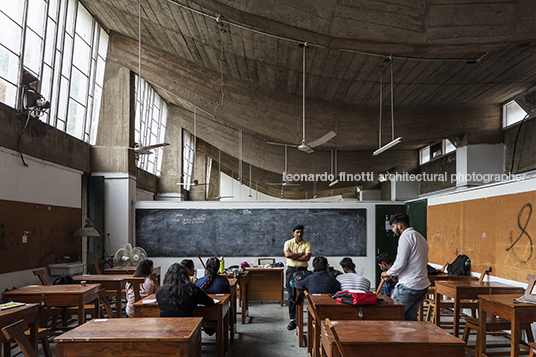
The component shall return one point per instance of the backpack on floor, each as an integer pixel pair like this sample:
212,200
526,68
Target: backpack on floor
460,266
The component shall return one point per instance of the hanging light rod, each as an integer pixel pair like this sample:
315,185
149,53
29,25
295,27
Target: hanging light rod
333,183
388,146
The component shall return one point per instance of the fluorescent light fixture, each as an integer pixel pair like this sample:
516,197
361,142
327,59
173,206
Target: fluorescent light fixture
388,146
334,183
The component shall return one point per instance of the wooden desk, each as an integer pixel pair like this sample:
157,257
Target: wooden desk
130,271
459,290
327,307
28,313
243,280
109,282
180,336
450,277
504,306
266,284
219,312
391,338
56,296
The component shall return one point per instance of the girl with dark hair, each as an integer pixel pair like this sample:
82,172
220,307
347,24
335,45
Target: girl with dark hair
178,297
189,265
143,270
212,283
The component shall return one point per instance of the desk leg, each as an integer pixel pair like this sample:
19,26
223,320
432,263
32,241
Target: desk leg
118,302
81,312
282,286
245,302
480,347
456,318
437,315
516,335
299,323
226,333
310,335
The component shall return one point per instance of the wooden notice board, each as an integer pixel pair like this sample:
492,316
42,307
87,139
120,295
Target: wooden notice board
499,231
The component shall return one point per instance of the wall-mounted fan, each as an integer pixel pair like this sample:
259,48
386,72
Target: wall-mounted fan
128,256
308,146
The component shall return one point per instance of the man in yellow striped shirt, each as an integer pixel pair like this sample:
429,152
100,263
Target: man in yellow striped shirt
298,251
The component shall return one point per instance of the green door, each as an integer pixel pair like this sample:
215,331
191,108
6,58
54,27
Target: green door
386,240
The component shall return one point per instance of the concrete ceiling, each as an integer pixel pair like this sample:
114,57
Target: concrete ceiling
453,64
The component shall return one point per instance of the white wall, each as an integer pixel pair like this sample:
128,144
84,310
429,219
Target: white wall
42,183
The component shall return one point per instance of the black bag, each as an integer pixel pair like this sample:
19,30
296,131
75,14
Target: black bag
432,270
63,280
460,266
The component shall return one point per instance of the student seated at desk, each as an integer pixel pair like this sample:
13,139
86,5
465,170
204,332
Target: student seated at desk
178,297
350,280
212,283
189,265
320,282
385,262
143,270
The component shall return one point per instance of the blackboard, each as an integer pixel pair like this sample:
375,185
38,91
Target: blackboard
248,232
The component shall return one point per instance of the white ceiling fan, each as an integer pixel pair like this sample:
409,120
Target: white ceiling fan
308,146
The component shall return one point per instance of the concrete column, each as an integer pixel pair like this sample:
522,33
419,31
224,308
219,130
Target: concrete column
113,157
171,173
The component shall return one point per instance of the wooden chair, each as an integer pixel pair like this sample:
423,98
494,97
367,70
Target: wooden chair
380,285
15,332
104,303
493,324
153,278
95,264
335,337
316,319
464,304
42,337
532,347
135,283
40,273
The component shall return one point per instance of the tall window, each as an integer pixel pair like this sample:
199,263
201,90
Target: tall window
188,158
59,43
151,117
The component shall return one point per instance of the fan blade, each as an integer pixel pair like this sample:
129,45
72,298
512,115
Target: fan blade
149,147
323,139
143,152
281,144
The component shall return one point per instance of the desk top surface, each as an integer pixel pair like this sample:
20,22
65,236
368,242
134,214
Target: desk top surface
101,277
133,329
264,269
224,298
457,284
325,299
506,300
389,332
53,289
18,309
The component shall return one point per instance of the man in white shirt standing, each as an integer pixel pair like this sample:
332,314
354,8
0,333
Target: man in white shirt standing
350,280
410,266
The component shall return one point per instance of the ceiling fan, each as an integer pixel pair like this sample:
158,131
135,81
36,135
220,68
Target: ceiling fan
308,146
146,150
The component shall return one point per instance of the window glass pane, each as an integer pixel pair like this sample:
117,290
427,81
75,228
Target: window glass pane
11,34
36,16
46,82
53,9
425,155
64,95
8,93
512,113
50,42
89,107
84,24
75,120
81,55
9,65
449,147
71,11
78,86
103,43
13,9
67,56
32,52
95,116
100,71
60,125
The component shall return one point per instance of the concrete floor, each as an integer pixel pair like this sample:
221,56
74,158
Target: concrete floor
265,335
